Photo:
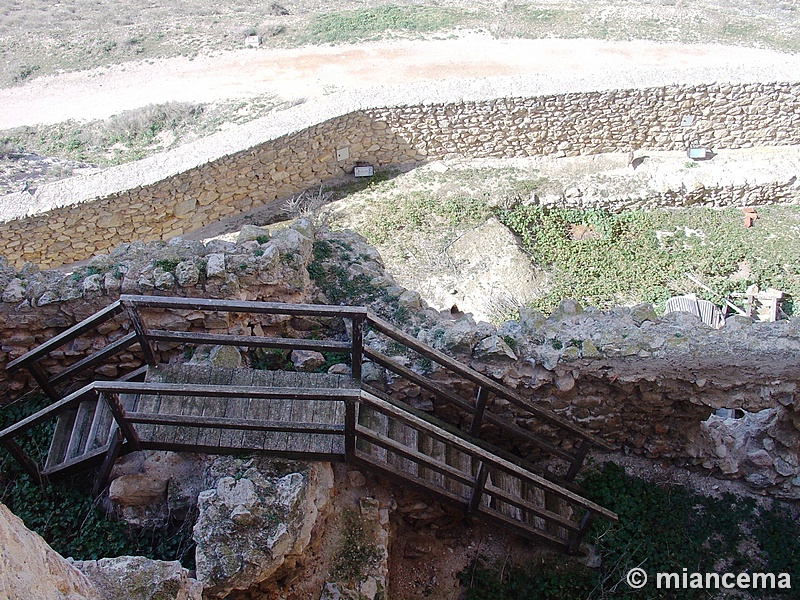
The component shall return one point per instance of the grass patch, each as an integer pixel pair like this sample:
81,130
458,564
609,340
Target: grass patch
638,256
67,517
360,25
135,134
668,528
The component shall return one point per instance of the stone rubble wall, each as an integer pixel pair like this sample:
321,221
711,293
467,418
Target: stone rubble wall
37,305
165,196
748,194
645,383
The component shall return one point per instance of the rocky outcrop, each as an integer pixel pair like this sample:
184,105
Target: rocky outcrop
31,570
139,578
256,521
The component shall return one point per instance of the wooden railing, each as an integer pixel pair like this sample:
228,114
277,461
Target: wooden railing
145,337
481,479
478,407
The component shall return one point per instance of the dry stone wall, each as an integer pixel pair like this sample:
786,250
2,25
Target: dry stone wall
647,384
164,196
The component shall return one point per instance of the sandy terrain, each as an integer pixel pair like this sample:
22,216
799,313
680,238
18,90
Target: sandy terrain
312,72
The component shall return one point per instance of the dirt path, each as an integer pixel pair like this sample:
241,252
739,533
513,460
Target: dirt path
315,71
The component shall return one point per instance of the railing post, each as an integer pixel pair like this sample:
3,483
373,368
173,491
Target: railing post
31,468
119,416
477,490
586,523
481,395
43,380
112,454
349,429
144,343
577,462
357,347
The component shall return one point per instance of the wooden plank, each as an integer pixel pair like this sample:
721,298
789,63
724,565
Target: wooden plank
406,480
414,455
461,462
526,506
406,436
221,391
118,411
480,379
477,488
481,395
237,408
258,409
357,345
39,375
27,463
138,329
94,359
249,341
226,450
494,450
171,405
271,308
580,456
46,413
80,429
112,454
448,396
66,336
101,419
522,528
196,421
586,523
60,441
435,449
493,460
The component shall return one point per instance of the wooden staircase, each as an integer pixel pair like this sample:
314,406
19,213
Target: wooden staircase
310,416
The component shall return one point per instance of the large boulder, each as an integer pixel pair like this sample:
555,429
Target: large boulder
140,578
32,570
255,521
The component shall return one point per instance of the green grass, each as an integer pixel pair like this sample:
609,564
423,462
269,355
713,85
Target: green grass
360,25
135,134
665,529
625,262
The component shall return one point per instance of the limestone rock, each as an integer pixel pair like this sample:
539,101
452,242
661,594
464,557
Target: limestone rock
307,360
215,265
31,570
14,292
140,578
187,274
252,233
249,528
137,490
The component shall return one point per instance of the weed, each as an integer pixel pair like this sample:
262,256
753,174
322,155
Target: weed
262,239
357,25
639,256
24,72
690,164
166,264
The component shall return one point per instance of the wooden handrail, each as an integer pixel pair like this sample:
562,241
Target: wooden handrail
270,308
46,413
492,460
66,336
223,391
252,341
482,380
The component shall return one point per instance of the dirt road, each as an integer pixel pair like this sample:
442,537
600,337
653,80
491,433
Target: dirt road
311,72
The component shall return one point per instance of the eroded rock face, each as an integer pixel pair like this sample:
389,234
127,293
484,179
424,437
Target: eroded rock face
31,570
139,578
256,519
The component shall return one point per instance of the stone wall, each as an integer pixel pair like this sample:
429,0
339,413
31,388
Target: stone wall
168,195
648,384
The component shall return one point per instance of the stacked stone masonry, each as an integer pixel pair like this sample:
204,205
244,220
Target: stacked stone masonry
723,116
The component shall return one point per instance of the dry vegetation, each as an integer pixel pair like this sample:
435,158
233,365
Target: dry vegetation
39,37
